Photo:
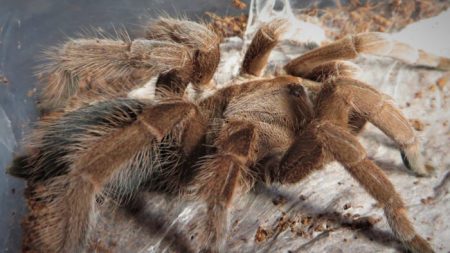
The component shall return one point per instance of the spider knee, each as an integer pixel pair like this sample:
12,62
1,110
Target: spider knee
238,139
334,69
344,146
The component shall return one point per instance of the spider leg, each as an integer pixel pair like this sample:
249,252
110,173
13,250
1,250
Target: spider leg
118,146
222,174
203,41
327,141
257,54
105,67
344,94
370,43
335,69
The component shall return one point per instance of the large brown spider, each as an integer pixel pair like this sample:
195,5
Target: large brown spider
106,133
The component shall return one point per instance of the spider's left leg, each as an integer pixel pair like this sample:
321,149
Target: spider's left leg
257,54
98,68
105,148
371,43
223,175
323,141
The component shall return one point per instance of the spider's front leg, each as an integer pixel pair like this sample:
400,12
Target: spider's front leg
105,67
224,174
179,51
109,143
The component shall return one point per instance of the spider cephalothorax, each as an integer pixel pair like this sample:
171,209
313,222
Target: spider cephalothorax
101,137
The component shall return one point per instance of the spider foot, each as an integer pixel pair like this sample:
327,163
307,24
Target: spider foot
416,165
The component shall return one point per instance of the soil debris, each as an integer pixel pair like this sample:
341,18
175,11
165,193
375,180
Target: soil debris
279,200
31,92
3,80
239,4
261,235
442,82
347,206
427,200
375,16
228,26
417,124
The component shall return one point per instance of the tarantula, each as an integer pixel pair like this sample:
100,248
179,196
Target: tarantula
108,131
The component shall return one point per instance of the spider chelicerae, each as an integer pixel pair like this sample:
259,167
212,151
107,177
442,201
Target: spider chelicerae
117,120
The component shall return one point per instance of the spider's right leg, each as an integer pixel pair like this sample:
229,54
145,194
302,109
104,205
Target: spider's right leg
223,175
370,43
112,148
257,54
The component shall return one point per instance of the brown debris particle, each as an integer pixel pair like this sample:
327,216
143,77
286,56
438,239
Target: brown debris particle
239,4
441,82
228,26
372,16
427,201
31,92
261,235
283,223
4,80
432,87
418,94
417,124
279,200
430,168
347,206
306,220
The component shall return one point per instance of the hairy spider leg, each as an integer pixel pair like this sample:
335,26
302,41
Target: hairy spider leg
223,174
63,226
371,43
